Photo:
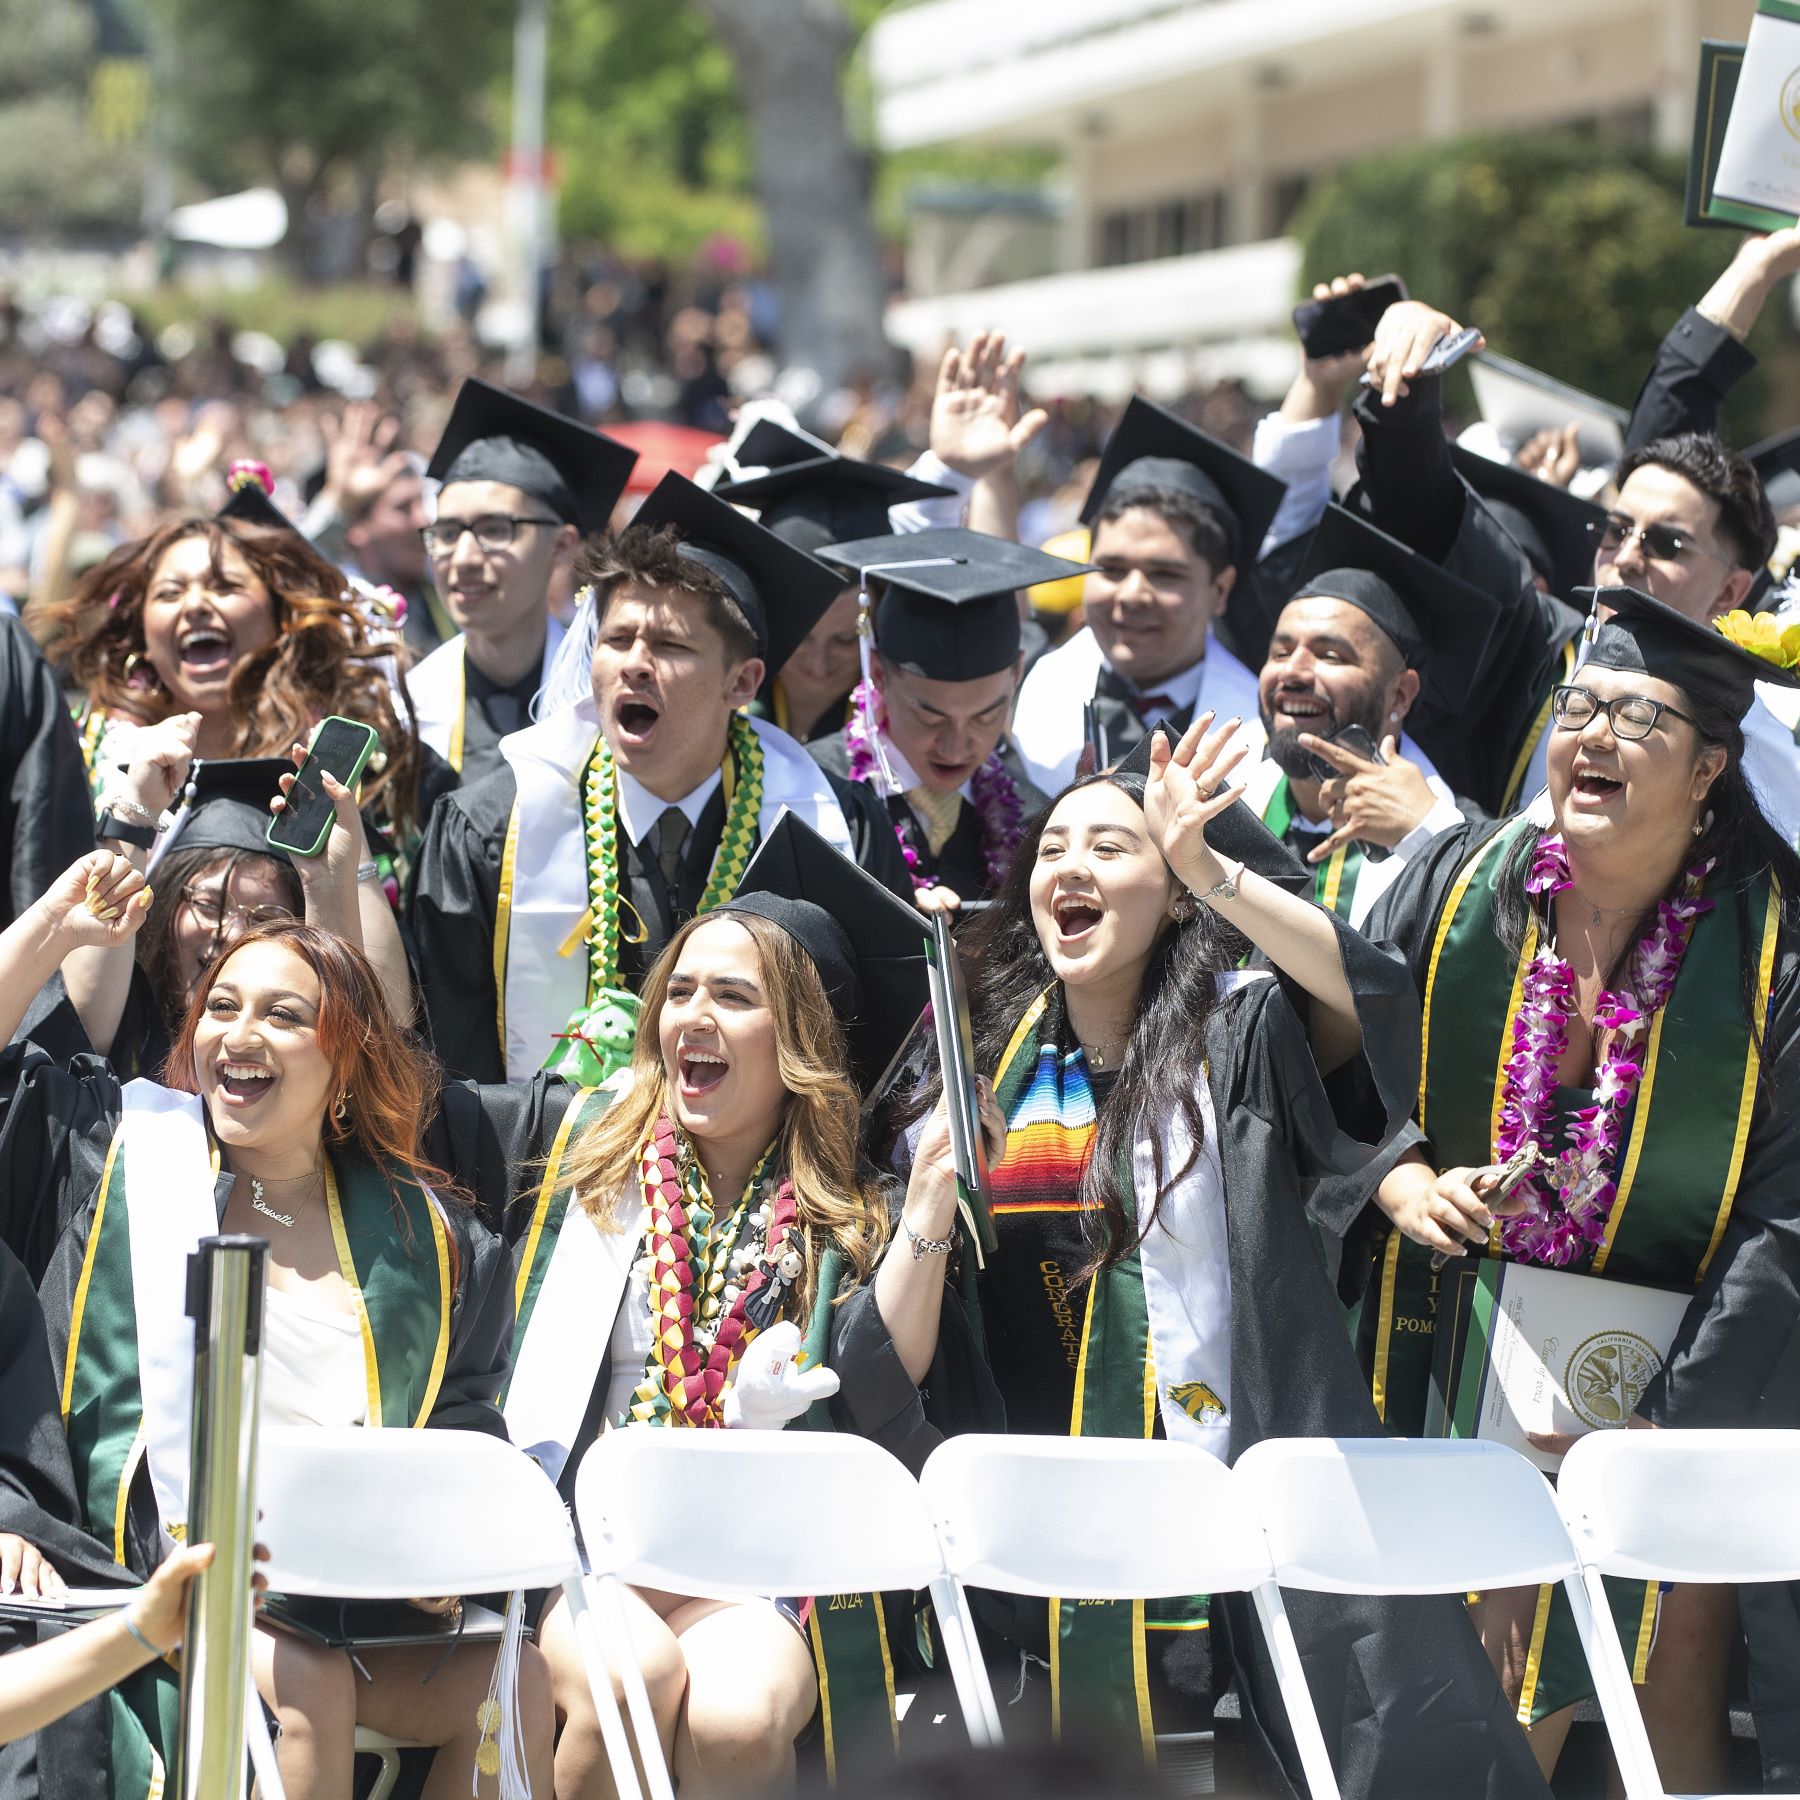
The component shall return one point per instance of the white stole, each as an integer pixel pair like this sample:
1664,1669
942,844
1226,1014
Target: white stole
556,1367
1186,1261
439,691
1048,726
549,864
169,1207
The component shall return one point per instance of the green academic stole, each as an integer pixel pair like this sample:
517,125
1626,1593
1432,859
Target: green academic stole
1515,780
400,1286
1679,1166
1099,1660
1334,880
549,1208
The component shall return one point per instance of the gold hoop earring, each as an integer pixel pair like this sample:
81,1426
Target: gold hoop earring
341,1111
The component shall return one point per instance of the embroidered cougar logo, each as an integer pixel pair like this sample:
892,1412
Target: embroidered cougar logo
1198,1401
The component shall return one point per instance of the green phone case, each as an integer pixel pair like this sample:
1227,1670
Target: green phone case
349,781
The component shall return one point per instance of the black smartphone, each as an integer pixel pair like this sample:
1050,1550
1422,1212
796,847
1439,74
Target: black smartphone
1346,321
341,746
1356,740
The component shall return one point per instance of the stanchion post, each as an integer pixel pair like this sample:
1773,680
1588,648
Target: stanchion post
225,1301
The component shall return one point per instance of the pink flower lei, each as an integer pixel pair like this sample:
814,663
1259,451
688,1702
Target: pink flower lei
994,792
1569,1219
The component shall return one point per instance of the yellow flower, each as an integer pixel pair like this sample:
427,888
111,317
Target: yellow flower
1763,637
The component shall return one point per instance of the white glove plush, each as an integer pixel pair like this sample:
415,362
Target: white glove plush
770,1388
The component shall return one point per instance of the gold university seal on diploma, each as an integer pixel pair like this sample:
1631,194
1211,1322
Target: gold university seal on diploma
1607,1375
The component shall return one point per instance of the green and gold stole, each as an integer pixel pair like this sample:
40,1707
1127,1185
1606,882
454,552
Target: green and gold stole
1334,880
1679,1167
399,1276
1099,1659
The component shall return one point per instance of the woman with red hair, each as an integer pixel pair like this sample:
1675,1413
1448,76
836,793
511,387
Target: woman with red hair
291,1109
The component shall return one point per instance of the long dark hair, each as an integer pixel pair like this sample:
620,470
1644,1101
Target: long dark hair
1164,1059
1739,840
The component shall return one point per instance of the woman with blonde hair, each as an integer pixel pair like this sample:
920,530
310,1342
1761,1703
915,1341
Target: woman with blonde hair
715,1211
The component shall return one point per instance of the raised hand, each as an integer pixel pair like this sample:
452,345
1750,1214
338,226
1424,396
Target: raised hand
1369,802
360,458
976,425
100,900
1408,333
346,846
157,759
1187,788
1553,454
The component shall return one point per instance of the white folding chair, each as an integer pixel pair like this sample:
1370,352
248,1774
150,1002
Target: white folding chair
377,1515
1674,1506
1394,1516
810,1512
1017,1514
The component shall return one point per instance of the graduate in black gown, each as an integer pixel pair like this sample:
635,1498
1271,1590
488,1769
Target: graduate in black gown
1177,521
544,892
930,730
810,496
521,487
1668,1125
46,820
1165,1115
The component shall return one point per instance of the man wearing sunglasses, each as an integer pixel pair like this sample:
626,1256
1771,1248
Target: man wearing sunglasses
521,487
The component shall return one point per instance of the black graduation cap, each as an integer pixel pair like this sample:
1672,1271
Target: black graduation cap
822,499
783,592
1152,448
228,807
1645,637
1414,600
1237,833
250,503
1555,529
949,609
1777,461
867,944
493,435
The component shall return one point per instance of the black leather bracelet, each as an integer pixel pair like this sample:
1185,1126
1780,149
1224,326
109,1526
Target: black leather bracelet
112,826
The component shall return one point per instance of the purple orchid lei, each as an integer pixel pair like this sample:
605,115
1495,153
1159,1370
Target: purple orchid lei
1569,1220
994,792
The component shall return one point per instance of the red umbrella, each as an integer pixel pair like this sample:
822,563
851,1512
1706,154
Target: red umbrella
662,447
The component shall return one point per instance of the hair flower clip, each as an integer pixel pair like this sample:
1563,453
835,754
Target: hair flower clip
248,472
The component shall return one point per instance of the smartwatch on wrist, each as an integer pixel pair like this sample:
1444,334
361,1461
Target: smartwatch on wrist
110,825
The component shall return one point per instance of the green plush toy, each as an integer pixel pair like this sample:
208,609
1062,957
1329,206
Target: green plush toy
597,1043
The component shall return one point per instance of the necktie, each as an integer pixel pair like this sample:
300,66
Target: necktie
938,813
1148,707
671,833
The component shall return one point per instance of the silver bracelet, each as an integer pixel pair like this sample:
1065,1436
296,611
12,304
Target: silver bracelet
924,1246
1223,890
134,807
368,871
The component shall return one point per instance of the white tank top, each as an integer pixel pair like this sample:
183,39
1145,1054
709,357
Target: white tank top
314,1371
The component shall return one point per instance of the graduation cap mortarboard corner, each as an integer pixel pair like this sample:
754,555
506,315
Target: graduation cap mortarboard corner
251,486
1716,664
767,445
1415,601
867,944
825,499
1519,401
1777,461
782,591
1555,529
1237,833
949,607
493,435
225,807
1150,447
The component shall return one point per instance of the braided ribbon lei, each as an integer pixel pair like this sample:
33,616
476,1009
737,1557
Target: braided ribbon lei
599,1036
1572,1201
705,1275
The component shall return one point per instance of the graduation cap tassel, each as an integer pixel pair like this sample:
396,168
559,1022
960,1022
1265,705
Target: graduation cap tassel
571,677
501,1751
865,692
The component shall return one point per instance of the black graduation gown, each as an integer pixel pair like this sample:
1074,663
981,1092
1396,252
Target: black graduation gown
37,1503
1406,1696
46,815
1697,365
1735,1360
962,863
456,887
1486,677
